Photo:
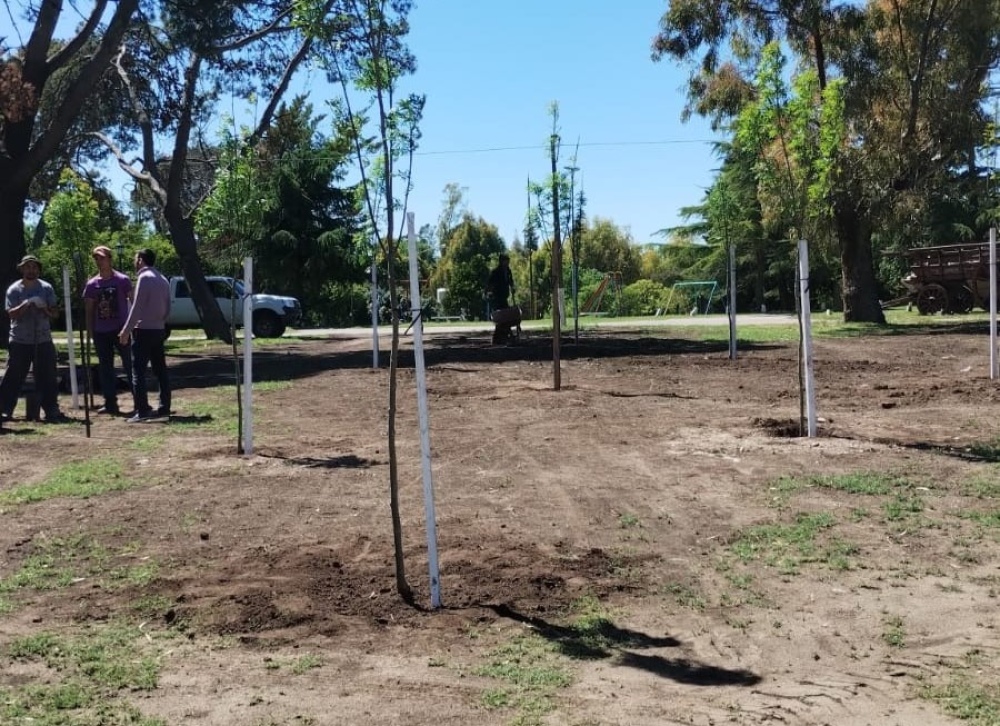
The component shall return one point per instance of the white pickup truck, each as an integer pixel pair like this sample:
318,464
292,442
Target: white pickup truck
271,313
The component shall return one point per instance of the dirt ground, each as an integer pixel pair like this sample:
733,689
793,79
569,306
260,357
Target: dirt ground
653,544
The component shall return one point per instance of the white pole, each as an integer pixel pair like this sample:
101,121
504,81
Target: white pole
67,303
248,356
374,305
993,303
732,301
807,351
425,433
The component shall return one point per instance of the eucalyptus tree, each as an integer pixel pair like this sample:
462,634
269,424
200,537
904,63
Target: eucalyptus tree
65,73
173,66
912,73
362,46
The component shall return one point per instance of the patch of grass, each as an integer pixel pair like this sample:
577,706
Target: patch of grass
59,562
867,483
530,674
149,444
89,672
628,521
895,632
219,416
967,700
306,663
902,506
685,595
983,487
258,387
151,605
789,546
988,520
81,479
784,488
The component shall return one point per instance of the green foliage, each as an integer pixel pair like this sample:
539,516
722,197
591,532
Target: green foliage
643,297
470,252
606,247
280,201
73,227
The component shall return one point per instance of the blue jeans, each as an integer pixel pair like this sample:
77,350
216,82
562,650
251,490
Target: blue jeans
147,348
105,345
40,358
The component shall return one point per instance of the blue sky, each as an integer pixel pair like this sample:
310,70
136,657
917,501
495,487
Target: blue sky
490,73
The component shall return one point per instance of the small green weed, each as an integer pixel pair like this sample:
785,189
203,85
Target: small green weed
628,521
306,663
895,632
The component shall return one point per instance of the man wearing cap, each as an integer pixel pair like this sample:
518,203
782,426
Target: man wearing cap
106,297
31,304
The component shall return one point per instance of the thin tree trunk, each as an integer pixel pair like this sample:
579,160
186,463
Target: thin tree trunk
402,586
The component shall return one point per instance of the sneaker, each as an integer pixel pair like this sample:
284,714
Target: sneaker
57,418
112,410
138,417
161,412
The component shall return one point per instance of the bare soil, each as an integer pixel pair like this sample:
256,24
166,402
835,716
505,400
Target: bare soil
641,491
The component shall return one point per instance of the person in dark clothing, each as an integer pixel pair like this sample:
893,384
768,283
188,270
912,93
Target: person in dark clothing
31,305
499,292
500,284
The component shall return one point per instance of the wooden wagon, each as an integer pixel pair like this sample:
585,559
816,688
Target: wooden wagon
949,278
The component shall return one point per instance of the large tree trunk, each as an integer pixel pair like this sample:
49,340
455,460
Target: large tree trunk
12,202
858,285
183,237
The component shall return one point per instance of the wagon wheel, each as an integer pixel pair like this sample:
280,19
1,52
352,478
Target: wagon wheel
932,298
962,300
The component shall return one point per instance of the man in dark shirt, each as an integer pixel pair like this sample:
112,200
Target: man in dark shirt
500,285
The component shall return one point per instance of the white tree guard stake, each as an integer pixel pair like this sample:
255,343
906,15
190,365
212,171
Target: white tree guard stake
732,301
374,307
247,356
993,303
805,310
73,387
425,429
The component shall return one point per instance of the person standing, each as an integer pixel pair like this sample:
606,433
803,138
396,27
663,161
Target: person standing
31,305
106,297
500,284
146,327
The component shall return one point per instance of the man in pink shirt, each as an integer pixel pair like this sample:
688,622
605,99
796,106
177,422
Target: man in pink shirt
146,327
106,296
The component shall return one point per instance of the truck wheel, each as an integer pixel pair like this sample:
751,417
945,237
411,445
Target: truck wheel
267,325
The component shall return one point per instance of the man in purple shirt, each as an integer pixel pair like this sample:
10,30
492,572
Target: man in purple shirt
146,326
106,296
